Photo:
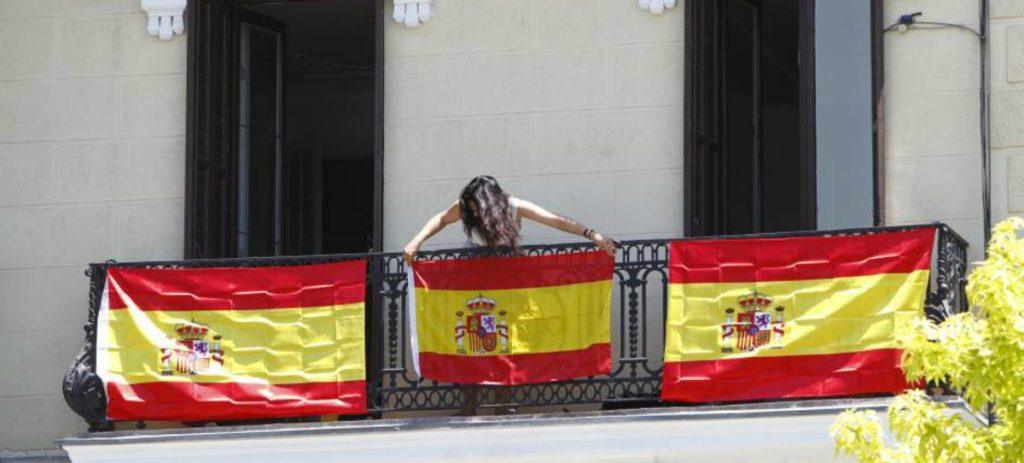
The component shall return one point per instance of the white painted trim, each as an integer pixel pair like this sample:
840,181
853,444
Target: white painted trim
412,13
165,17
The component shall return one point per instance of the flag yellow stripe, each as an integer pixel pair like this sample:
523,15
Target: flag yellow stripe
544,319
826,316
272,346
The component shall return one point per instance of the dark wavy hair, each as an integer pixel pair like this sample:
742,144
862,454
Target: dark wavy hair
486,211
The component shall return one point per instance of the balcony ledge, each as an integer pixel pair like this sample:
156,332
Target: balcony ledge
796,429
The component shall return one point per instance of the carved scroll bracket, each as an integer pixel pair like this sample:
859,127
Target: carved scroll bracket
656,6
165,17
412,13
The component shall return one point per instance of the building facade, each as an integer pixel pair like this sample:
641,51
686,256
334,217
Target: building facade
583,106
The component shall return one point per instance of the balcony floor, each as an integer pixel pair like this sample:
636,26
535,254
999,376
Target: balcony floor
787,431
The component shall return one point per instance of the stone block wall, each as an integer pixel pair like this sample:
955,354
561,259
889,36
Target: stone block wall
92,159
573,104
1007,108
932,144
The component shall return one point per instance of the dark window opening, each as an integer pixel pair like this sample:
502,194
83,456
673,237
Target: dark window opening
749,145
284,130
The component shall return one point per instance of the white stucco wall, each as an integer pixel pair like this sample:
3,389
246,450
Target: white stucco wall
92,125
573,104
932,146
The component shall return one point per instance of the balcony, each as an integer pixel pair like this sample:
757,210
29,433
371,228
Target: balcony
626,401
792,430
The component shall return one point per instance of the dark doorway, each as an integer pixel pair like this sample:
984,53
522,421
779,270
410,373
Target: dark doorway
749,128
285,128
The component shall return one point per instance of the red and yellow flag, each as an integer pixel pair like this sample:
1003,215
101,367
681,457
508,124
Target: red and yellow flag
515,320
791,317
233,343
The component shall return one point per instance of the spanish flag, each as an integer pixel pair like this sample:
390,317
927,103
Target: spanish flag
515,320
233,343
791,317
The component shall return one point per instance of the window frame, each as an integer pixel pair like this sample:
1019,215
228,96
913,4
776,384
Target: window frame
211,181
701,22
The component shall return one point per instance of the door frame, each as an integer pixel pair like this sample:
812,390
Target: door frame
878,107
210,174
701,22
703,122
252,20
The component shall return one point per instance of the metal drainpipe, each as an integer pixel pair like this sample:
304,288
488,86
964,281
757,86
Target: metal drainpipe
986,153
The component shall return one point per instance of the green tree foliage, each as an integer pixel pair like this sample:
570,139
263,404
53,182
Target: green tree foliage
980,353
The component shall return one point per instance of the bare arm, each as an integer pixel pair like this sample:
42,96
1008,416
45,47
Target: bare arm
539,214
436,223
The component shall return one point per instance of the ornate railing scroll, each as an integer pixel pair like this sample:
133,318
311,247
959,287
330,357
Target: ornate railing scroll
640,289
948,295
83,390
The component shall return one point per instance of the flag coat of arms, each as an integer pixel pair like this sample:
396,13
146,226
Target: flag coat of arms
514,320
791,317
233,343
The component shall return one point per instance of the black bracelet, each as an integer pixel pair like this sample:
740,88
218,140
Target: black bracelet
587,233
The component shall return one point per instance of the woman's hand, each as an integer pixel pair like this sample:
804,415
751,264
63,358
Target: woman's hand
410,252
608,245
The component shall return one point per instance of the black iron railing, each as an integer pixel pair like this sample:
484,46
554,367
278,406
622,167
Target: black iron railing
639,305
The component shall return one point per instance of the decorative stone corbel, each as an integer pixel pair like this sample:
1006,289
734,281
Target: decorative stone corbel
165,17
656,6
411,12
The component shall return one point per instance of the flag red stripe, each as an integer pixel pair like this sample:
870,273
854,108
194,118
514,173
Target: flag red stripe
186,401
514,272
865,372
517,369
799,258
240,288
